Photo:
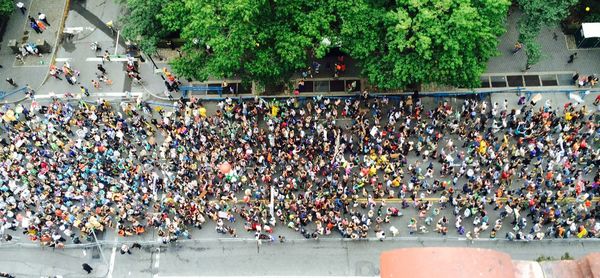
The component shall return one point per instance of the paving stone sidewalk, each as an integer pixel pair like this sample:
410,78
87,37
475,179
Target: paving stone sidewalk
33,69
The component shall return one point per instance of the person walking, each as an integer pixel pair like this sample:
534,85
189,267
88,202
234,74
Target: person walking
21,7
125,249
54,72
86,267
29,91
106,56
572,58
35,27
518,47
85,91
101,69
42,17
11,82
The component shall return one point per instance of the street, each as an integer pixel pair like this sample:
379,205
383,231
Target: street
243,257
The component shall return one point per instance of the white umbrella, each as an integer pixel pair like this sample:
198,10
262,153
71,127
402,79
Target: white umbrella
470,172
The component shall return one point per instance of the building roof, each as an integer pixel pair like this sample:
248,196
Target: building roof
477,262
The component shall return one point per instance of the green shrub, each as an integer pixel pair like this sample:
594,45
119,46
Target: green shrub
6,7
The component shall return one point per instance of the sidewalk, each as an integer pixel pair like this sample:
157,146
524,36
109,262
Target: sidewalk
555,53
34,69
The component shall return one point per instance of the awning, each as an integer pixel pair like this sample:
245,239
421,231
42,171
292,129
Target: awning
590,30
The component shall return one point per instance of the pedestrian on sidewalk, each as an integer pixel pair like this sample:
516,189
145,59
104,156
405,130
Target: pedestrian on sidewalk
572,57
40,25
125,249
136,245
31,19
21,7
87,268
106,56
96,84
11,82
101,68
35,27
29,91
42,17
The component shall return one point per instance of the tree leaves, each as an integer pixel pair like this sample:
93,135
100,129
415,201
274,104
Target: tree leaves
397,43
538,13
6,7
445,42
256,40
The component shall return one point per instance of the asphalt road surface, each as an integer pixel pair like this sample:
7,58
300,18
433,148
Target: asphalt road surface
241,257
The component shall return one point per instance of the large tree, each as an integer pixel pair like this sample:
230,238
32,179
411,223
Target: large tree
537,14
6,7
259,40
143,22
409,42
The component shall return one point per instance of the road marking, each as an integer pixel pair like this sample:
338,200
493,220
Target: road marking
117,43
157,259
75,30
111,265
95,59
101,94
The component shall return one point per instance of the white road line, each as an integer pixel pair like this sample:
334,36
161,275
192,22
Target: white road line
101,94
117,43
111,265
94,59
157,259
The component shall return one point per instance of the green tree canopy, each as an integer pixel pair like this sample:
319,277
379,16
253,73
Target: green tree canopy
397,43
423,41
6,7
536,14
260,40
143,22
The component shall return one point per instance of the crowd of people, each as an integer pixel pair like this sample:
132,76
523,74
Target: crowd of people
331,166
